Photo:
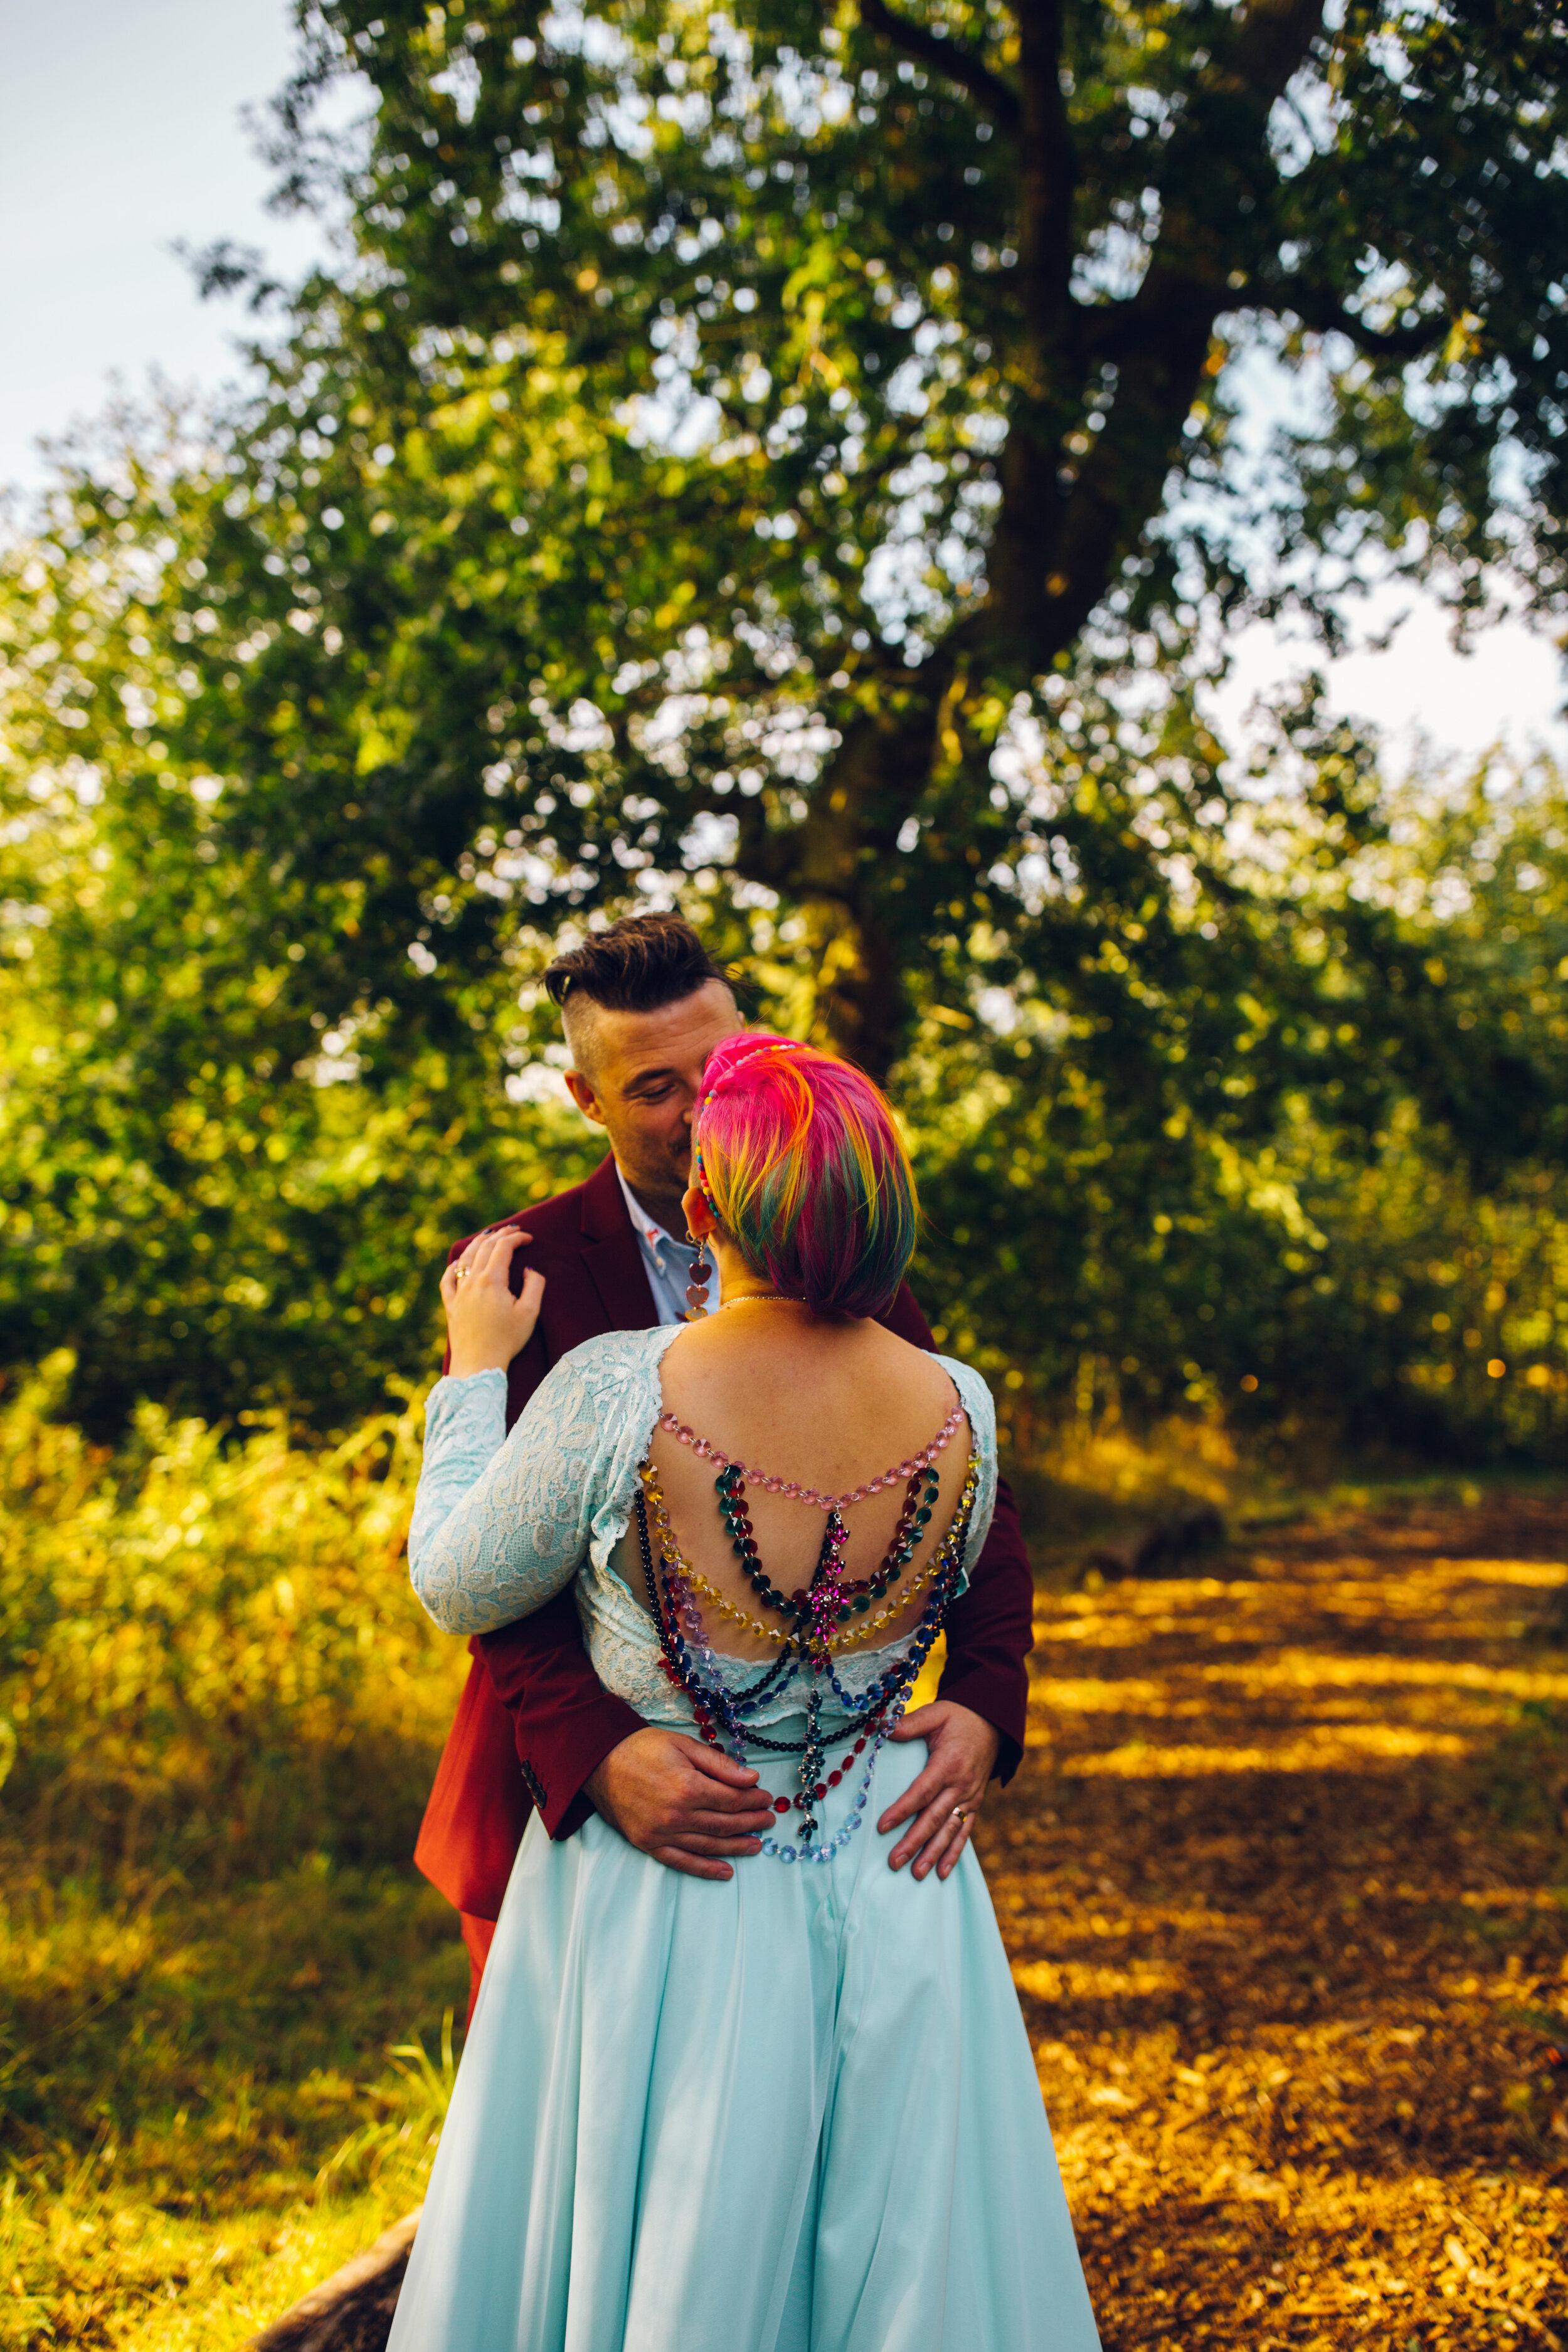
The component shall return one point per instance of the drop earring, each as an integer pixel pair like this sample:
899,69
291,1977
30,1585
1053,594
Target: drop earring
697,1272
696,1282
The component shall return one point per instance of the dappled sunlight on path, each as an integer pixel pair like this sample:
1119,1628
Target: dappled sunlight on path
1282,1880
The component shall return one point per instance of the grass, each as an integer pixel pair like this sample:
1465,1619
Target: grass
211,2102
226,1997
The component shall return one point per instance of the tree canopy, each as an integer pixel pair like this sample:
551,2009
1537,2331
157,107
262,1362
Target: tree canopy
793,385
796,460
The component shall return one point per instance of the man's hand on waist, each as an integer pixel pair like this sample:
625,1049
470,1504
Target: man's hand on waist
683,1803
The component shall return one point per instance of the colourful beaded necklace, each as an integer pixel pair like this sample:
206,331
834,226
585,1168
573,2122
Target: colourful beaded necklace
808,1646
852,1638
854,1598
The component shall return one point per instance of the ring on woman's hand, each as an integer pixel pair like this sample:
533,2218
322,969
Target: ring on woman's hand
960,1814
462,1273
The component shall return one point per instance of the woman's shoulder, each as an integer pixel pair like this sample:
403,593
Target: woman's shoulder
592,1394
974,1389
615,1359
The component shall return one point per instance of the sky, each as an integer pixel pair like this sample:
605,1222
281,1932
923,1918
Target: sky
122,134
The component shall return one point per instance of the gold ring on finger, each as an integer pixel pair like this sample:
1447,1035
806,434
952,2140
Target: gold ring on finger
960,1814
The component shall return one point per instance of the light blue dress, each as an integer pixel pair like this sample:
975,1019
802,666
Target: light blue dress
793,2111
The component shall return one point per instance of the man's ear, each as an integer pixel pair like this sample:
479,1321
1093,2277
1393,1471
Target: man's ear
581,1090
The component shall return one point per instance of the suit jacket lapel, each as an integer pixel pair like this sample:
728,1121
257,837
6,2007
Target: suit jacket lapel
610,1252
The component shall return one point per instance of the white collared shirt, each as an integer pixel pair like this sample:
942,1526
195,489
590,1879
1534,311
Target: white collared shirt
668,1261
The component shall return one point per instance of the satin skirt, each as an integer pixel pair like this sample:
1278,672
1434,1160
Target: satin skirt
793,2112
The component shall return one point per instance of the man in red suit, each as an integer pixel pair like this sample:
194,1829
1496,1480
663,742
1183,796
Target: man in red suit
643,1006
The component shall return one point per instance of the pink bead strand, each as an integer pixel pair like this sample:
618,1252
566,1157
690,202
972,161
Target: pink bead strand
706,1451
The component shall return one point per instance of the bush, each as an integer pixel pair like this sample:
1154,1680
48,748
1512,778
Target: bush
211,1658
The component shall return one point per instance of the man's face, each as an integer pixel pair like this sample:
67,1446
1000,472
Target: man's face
644,1071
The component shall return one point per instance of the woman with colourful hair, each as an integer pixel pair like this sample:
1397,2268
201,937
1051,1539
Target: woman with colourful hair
792,2108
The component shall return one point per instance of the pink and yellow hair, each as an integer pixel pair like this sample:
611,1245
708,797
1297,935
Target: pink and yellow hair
799,1159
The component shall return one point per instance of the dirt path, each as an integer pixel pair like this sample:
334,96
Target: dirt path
1285,1895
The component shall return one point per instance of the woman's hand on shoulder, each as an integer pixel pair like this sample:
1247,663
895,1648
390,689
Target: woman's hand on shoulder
486,1325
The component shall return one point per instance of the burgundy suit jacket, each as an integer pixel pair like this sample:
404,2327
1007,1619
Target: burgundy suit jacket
534,1720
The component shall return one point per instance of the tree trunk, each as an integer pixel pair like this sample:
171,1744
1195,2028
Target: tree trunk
352,2310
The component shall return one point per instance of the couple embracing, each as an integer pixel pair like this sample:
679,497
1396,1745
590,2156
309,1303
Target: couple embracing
745,2070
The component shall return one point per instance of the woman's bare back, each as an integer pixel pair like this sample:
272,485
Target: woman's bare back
825,1403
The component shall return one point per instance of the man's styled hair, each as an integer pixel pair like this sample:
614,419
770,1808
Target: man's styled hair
636,965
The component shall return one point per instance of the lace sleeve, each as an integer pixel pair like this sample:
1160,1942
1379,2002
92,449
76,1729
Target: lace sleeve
516,1524
465,1429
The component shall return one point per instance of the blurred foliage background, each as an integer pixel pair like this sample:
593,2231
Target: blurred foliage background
1255,1107
725,465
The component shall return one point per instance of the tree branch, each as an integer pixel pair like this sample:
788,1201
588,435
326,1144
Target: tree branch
1115,330
1272,41
1323,313
1045,367
949,58
1159,338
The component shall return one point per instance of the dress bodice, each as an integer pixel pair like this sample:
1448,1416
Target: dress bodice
502,1522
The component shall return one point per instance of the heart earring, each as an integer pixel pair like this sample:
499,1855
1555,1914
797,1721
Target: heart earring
697,1272
696,1282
